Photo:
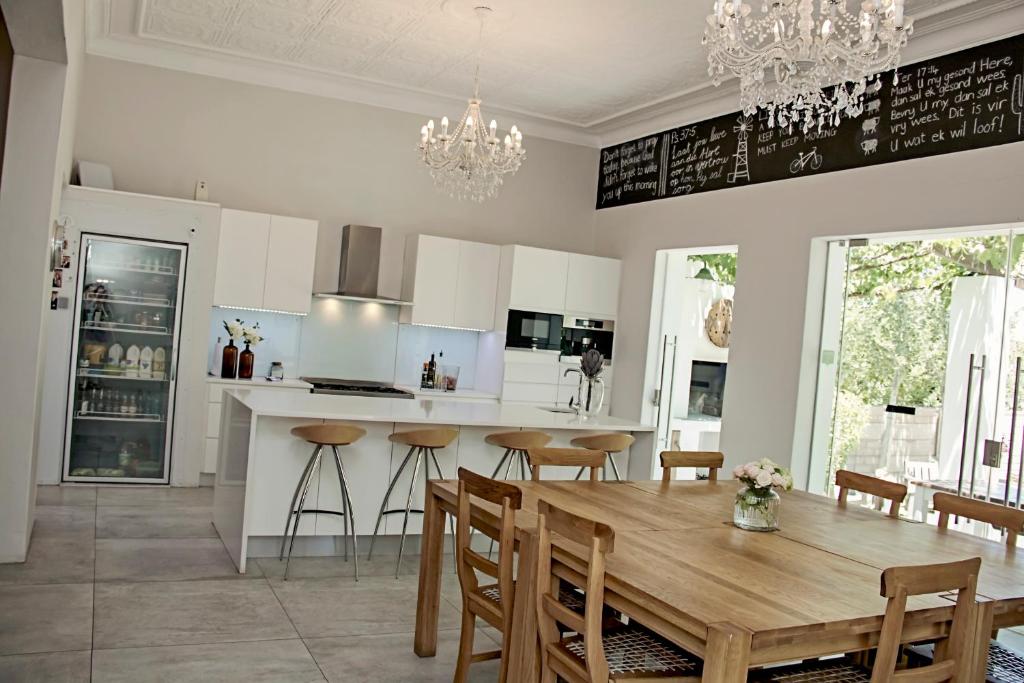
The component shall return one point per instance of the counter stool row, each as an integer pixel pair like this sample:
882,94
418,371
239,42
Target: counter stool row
591,452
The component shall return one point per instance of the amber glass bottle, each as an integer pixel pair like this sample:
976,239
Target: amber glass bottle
229,361
245,363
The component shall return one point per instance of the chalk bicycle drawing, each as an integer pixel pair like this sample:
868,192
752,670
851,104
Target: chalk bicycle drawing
812,159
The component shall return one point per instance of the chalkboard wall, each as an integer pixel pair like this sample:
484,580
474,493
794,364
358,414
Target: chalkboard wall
961,101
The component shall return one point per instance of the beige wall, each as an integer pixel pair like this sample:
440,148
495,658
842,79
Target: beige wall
338,162
774,225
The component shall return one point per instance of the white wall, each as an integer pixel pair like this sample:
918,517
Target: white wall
773,224
298,155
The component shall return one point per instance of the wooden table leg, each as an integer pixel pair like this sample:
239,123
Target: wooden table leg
727,656
976,662
523,650
428,601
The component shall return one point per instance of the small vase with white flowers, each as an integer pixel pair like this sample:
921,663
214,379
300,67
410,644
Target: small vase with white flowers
757,503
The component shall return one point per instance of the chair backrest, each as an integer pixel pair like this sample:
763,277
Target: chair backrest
709,459
510,499
898,583
890,490
564,457
1010,519
599,540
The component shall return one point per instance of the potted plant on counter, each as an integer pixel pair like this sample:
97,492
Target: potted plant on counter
757,503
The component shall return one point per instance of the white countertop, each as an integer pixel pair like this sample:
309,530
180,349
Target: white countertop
424,411
260,383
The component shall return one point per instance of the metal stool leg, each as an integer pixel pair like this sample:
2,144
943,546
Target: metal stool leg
295,496
344,501
387,496
615,468
508,454
298,513
350,519
580,473
523,466
408,507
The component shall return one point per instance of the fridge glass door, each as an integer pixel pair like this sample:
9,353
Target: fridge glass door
124,357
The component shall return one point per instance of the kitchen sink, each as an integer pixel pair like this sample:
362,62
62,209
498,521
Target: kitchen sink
567,411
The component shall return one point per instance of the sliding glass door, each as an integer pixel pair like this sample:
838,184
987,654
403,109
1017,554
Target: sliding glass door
918,373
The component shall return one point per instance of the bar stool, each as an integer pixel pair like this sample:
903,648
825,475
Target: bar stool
322,435
421,442
611,443
516,444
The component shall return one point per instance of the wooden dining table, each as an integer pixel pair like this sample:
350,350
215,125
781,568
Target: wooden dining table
737,599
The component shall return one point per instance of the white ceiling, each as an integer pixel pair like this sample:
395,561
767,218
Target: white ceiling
571,67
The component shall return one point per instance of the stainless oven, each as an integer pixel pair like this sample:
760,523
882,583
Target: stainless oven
532,330
583,334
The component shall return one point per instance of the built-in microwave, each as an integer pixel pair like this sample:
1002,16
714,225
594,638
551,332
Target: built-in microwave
583,334
532,330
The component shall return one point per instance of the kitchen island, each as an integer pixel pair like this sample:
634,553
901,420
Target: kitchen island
259,462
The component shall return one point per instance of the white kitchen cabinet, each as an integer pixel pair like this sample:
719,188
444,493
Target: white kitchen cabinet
265,261
241,259
291,257
477,285
592,286
538,279
450,282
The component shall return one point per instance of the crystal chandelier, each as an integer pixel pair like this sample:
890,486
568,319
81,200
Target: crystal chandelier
469,161
805,65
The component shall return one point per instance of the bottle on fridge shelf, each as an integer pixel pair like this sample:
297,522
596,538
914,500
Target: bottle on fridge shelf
133,406
160,363
132,361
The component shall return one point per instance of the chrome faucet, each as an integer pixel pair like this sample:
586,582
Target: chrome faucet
579,390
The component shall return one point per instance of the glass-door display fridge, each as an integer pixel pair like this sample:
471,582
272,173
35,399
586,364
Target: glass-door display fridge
124,358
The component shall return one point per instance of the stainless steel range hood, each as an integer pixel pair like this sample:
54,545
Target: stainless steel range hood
359,272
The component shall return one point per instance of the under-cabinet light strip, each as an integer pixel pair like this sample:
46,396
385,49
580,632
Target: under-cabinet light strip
262,310
449,327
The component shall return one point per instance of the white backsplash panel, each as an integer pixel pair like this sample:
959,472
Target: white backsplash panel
281,333
349,340
416,343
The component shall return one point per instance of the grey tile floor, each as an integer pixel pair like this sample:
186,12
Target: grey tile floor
134,585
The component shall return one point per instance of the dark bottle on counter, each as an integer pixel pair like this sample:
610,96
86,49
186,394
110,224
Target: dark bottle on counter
245,363
431,370
423,376
229,361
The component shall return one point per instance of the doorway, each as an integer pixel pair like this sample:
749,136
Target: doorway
919,375
689,346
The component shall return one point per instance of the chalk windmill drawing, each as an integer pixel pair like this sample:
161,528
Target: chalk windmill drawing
741,171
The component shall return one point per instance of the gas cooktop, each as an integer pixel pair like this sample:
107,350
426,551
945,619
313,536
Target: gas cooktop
354,387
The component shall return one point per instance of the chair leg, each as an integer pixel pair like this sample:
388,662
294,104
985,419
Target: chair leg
298,512
408,507
465,656
350,519
387,496
615,468
295,497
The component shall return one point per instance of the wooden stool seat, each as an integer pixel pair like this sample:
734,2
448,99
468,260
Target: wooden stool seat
611,443
425,438
519,441
329,434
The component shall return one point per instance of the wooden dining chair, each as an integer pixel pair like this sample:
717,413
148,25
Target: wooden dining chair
880,488
1009,519
597,653
565,457
712,460
899,583
491,602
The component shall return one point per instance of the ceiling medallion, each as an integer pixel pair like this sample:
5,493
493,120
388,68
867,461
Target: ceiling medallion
469,161
805,62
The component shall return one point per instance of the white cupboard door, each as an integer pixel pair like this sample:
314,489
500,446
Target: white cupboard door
241,259
477,285
593,286
291,258
436,278
538,280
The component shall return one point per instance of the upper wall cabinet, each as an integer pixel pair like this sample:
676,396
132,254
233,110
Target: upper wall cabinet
450,282
592,288
265,261
538,279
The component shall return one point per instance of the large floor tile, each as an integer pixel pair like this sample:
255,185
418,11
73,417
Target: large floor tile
390,659
64,521
328,567
342,607
187,613
164,559
153,496
274,661
47,667
48,618
66,495
53,560
169,521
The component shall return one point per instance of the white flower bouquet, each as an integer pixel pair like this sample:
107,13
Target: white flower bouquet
757,503
235,328
764,474
252,335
